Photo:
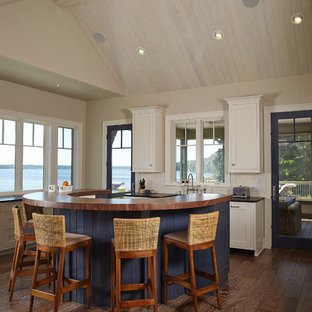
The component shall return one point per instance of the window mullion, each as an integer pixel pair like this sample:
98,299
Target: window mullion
19,157
199,151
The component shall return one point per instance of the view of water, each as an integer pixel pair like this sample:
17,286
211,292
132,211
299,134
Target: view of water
32,180
122,174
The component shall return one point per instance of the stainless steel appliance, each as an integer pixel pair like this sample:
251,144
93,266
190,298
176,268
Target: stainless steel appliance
241,192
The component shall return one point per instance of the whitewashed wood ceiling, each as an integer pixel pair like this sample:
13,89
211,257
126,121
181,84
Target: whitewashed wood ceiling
4,2
259,42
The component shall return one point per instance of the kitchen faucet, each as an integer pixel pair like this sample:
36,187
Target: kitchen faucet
191,188
188,178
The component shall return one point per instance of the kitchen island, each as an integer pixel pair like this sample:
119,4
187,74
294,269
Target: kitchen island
94,217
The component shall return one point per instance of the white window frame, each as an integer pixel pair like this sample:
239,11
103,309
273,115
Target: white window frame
50,149
170,144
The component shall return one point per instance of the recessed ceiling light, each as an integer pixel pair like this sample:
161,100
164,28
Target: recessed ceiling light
297,18
99,37
250,3
141,51
218,34
58,85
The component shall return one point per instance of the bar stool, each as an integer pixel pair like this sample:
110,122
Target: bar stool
52,238
201,235
22,236
134,238
28,210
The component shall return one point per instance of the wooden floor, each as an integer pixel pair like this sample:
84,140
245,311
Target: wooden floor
306,229
277,280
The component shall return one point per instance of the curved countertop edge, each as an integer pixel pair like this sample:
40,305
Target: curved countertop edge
71,201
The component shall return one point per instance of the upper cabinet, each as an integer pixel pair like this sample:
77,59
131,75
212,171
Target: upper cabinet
148,139
245,134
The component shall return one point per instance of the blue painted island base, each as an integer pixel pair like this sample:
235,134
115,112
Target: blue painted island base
99,225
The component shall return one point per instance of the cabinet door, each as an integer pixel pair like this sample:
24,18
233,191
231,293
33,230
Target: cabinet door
244,138
241,231
143,141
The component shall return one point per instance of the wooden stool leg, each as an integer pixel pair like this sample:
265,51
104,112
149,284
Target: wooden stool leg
192,278
166,270
22,256
53,272
149,264
113,279
89,274
48,255
118,281
16,267
155,280
59,280
34,279
12,265
215,269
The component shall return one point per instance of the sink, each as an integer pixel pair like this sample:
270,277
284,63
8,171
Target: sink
155,195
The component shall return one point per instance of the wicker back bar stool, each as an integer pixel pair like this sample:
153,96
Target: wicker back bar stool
22,236
201,235
28,210
134,238
52,238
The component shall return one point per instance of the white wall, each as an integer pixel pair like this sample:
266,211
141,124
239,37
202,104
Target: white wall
23,99
42,34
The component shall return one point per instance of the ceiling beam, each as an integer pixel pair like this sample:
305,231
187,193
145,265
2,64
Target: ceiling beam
66,3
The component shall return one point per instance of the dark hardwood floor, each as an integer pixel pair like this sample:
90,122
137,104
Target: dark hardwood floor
277,280
306,229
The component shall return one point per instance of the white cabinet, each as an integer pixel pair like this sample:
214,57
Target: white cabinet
245,134
148,139
246,225
7,226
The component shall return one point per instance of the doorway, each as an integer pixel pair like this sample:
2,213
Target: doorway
120,177
291,142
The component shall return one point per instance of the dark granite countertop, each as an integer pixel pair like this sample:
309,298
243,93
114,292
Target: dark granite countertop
247,200
10,199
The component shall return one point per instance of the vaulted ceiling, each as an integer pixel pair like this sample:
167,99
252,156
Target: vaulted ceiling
259,42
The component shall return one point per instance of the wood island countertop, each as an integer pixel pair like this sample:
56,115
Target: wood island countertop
73,201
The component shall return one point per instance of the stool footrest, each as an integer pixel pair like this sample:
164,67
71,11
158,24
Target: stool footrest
137,303
207,289
206,275
130,287
75,285
45,281
42,294
177,280
32,262
29,252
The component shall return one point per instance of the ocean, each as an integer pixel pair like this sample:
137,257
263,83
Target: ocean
33,178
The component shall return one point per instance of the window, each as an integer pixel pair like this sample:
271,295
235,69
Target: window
36,151
197,146
213,147
65,155
33,156
7,155
185,150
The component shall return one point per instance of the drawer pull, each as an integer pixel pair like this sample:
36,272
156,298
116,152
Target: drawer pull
234,206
